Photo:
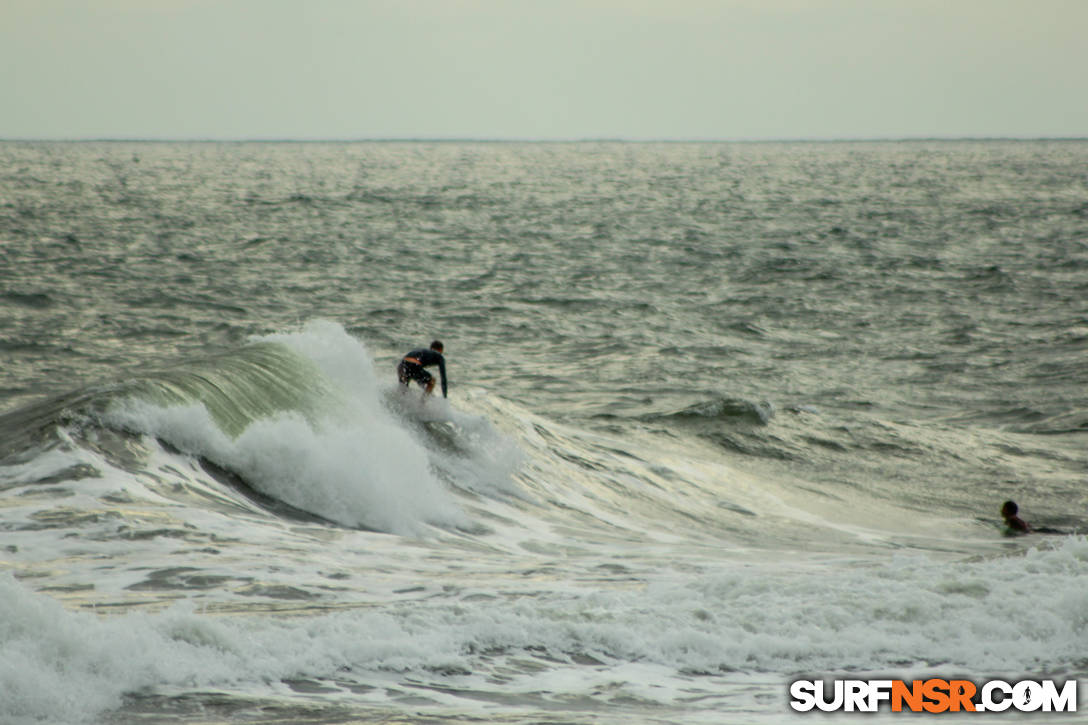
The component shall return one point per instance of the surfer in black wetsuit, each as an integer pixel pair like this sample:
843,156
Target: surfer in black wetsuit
411,367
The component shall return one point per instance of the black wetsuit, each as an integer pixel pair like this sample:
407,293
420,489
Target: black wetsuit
411,368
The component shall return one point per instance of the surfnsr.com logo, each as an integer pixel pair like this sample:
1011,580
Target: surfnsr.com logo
933,696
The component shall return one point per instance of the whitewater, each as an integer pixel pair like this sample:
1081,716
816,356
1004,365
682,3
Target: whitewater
721,417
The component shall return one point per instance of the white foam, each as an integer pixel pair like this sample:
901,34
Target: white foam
482,459
357,466
1016,616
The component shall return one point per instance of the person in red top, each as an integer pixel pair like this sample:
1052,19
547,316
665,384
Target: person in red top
411,367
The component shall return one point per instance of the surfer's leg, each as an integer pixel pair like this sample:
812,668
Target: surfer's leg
407,372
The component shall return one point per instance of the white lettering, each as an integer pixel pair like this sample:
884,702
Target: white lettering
1027,696
822,701
803,693
855,696
1065,701
989,704
879,691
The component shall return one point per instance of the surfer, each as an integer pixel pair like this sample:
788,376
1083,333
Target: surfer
1016,524
411,367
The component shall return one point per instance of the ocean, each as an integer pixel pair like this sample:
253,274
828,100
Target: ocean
721,416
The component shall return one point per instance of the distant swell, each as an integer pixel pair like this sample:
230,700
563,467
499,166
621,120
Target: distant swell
722,410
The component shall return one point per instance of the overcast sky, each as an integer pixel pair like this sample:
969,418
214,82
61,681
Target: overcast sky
543,69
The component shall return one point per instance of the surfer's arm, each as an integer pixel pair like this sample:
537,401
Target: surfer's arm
442,373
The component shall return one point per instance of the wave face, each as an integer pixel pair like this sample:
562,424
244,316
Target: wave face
720,417
301,419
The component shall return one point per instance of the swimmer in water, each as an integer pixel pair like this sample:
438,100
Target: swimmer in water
1016,524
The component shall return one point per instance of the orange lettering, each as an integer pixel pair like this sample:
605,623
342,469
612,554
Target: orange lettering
936,691
960,694
911,695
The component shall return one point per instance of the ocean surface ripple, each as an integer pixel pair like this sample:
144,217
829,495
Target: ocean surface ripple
720,416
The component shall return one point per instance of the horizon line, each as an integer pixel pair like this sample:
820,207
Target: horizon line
529,140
